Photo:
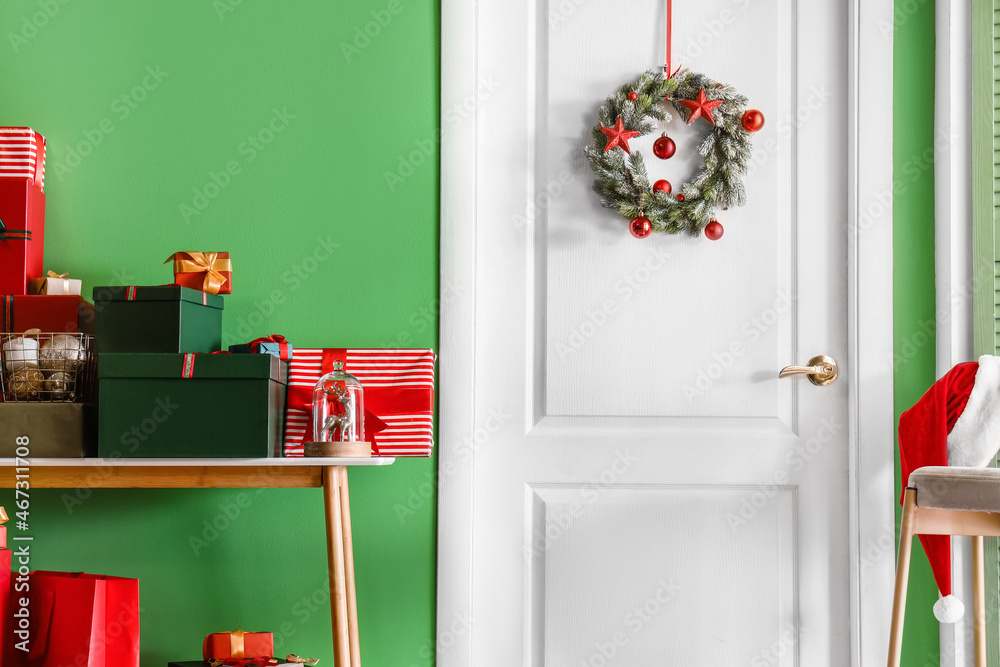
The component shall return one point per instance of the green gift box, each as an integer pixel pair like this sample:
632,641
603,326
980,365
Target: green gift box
191,405
54,430
167,319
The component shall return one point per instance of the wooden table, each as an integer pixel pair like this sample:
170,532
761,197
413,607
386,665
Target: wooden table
330,473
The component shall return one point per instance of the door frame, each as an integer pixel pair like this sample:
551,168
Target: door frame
871,442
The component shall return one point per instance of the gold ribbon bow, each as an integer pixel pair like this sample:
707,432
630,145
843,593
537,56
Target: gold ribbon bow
63,277
236,645
3,515
291,657
203,262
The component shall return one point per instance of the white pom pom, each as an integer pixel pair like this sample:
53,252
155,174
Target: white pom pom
949,609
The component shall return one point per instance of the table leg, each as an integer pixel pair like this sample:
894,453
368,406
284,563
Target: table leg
335,556
352,595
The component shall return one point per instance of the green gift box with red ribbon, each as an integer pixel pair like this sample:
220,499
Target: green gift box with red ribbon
163,318
191,405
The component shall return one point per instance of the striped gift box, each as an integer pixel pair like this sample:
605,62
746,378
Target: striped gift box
399,391
22,155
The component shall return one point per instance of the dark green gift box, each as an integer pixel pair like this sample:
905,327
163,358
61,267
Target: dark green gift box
166,319
191,405
56,430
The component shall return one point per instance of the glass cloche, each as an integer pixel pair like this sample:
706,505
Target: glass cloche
338,407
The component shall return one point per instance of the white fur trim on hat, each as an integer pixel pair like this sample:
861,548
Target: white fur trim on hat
974,440
949,609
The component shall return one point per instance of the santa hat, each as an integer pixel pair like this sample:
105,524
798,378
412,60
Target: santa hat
956,423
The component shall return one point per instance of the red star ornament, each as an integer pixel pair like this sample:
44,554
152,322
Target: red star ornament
701,107
618,136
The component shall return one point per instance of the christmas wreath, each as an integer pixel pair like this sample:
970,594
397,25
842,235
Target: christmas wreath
633,111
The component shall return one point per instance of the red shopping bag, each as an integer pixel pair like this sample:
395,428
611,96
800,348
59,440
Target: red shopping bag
78,619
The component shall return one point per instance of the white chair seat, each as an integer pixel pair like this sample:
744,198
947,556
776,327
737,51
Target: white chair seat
952,488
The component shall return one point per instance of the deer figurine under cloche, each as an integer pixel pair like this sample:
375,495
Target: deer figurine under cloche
338,415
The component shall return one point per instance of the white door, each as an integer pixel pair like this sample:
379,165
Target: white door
642,488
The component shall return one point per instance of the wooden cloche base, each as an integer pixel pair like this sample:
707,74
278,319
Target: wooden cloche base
361,450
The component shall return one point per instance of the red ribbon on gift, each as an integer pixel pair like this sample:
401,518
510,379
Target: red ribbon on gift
187,370
283,352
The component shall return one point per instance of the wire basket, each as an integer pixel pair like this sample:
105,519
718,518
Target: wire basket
48,367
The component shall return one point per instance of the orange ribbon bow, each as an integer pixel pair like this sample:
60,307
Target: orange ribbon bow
208,263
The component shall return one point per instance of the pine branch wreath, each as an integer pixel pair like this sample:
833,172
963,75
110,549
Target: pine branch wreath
622,181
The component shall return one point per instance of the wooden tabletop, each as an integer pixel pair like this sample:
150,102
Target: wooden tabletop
97,473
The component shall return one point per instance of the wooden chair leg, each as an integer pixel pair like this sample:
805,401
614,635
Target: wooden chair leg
338,576
352,595
979,600
902,575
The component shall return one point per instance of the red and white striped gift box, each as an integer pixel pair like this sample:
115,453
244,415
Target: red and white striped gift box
399,391
22,155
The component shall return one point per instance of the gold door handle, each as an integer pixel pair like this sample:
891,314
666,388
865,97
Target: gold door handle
822,370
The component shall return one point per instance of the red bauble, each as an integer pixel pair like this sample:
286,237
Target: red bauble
662,186
714,230
680,197
664,147
633,96
640,227
753,120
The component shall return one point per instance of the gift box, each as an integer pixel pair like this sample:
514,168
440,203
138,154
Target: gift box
399,397
207,271
274,344
191,405
238,644
56,283
22,234
53,313
56,430
77,619
22,155
167,319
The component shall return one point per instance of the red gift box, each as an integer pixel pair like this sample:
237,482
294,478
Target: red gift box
46,312
22,155
210,272
399,397
6,593
22,234
77,619
238,644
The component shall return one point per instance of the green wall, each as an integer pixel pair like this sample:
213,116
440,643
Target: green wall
328,135
913,272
